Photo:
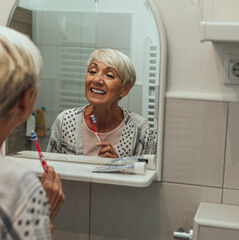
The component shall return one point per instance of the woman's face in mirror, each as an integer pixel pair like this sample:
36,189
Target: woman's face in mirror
102,85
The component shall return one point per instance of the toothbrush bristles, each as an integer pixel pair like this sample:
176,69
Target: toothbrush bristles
34,135
93,118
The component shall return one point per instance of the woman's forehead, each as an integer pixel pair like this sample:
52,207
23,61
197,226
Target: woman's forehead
102,64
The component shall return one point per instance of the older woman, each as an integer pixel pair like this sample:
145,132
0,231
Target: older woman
110,77
25,212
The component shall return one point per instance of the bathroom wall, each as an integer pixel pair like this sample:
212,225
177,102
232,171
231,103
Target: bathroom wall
200,161
7,6
201,156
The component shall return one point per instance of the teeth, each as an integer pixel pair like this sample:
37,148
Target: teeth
98,91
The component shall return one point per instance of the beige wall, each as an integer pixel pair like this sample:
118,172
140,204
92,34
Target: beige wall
200,160
195,69
7,5
200,147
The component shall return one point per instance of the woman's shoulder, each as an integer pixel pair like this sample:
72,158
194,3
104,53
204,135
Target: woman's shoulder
69,114
73,111
14,172
9,167
134,118
133,115
21,195
15,180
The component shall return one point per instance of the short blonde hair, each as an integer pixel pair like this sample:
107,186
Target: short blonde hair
117,60
20,66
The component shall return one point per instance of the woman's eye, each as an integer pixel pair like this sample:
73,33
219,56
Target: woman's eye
110,76
92,71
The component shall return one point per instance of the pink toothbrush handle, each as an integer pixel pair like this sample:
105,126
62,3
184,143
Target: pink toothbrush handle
43,162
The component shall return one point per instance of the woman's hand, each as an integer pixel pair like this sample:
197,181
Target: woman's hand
107,150
51,182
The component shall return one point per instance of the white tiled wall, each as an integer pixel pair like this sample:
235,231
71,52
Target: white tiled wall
178,204
124,212
107,212
109,33
194,142
196,69
7,6
72,222
232,151
231,196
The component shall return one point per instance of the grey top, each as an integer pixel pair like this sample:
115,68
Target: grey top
24,206
67,134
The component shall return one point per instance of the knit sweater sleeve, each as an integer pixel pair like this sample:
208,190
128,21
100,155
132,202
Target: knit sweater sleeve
55,137
24,206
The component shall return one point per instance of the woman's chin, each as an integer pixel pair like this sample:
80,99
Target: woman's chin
101,101
97,102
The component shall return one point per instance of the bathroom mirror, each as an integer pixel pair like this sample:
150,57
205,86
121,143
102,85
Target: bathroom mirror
67,32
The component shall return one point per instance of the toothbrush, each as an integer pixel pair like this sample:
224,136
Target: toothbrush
93,121
41,157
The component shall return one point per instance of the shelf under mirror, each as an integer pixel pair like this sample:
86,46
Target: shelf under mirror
79,168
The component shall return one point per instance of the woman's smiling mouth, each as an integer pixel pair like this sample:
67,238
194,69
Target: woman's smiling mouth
97,91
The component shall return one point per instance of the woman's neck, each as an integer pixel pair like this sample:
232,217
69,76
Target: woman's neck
5,127
106,119
8,124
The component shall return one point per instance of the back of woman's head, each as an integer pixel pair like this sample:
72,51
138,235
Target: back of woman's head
20,66
117,60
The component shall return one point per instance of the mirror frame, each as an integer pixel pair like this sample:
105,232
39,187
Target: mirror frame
162,88
162,81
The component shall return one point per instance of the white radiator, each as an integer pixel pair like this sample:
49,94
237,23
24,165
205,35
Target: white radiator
150,82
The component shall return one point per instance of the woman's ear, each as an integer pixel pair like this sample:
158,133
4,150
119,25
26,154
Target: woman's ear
125,90
27,102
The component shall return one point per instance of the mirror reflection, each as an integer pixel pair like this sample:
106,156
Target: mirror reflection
67,32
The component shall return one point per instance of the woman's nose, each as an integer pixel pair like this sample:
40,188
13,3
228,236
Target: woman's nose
98,78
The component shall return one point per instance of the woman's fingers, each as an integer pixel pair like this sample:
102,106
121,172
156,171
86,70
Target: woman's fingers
109,155
58,198
51,182
107,150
